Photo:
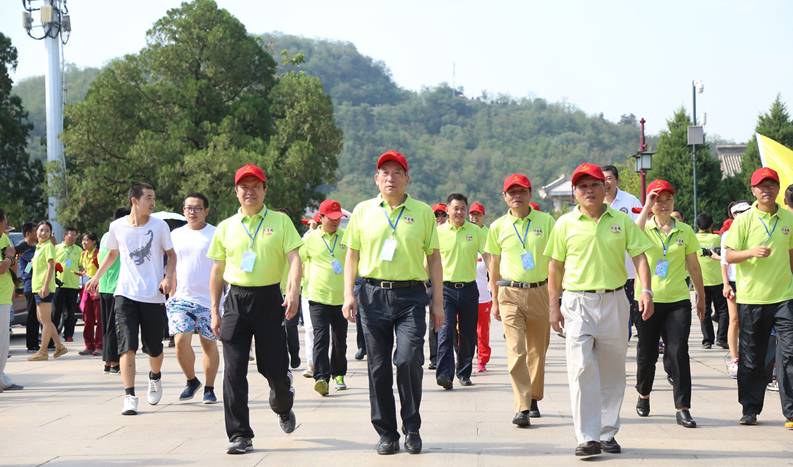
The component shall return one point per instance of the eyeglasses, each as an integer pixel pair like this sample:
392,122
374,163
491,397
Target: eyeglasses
440,214
193,209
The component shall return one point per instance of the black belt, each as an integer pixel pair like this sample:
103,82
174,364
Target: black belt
599,290
521,285
458,285
392,284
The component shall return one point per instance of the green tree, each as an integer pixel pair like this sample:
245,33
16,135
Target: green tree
201,99
22,196
775,124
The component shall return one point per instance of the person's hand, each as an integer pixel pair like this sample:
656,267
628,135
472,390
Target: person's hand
436,314
495,312
44,292
92,285
291,302
760,251
700,308
651,197
165,286
646,308
350,309
555,317
215,322
727,292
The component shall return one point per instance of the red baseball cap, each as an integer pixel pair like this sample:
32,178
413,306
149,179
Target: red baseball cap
764,173
250,170
535,206
331,209
439,207
659,186
516,179
392,156
476,206
592,170
316,217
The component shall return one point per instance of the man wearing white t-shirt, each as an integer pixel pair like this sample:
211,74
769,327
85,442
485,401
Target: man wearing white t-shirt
188,308
140,241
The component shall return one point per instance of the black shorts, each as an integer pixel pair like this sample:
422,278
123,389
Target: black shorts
132,316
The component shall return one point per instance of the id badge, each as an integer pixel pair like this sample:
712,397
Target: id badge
662,268
528,261
28,268
336,265
248,258
69,263
389,247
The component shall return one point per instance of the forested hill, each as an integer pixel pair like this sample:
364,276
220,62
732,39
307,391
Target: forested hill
454,142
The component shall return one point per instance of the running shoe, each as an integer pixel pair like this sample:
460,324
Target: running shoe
340,384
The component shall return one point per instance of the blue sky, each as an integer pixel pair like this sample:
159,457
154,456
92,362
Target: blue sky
614,57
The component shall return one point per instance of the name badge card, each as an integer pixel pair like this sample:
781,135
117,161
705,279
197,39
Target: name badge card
388,250
336,265
528,261
248,259
662,268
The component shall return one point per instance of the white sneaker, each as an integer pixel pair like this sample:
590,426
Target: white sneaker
130,405
155,391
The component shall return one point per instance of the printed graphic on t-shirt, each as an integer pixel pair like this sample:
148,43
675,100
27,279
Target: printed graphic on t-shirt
143,254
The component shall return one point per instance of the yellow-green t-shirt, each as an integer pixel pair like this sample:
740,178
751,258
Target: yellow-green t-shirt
511,238
593,252
459,247
762,281
711,268
415,235
44,253
319,252
680,242
274,235
6,282
69,259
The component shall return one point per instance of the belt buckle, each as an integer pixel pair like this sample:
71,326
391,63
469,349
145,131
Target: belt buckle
387,284
459,285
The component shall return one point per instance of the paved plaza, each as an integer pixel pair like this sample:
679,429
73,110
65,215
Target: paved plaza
69,414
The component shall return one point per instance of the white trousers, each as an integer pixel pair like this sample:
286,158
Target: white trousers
596,328
5,342
308,330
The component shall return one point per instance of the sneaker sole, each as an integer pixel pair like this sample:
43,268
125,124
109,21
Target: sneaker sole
129,412
209,402
239,451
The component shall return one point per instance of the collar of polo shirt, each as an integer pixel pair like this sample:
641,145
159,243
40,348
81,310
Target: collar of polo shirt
258,214
404,203
609,210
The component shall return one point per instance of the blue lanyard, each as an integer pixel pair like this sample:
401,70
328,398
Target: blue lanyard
393,224
665,246
248,232
331,250
765,226
525,234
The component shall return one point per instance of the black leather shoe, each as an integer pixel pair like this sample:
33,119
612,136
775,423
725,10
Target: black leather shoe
413,442
748,419
534,412
521,419
287,421
643,407
670,380
387,446
444,382
240,445
684,419
590,448
611,446
360,354
465,381
707,346
432,366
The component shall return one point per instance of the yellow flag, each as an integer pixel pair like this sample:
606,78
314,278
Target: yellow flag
779,158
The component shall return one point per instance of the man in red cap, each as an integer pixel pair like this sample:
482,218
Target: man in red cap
441,216
250,251
389,239
518,274
476,214
760,244
587,249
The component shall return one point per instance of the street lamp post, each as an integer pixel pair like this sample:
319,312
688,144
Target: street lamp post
695,136
643,160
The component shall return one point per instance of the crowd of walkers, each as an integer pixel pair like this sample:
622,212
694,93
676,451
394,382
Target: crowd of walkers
402,271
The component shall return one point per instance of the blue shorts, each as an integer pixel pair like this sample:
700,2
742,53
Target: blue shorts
47,299
185,316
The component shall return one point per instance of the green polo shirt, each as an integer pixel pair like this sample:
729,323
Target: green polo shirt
680,242
504,240
69,259
318,252
6,282
762,281
415,234
44,253
107,283
275,238
459,248
711,268
593,252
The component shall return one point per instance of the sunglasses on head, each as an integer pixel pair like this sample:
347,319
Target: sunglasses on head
440,214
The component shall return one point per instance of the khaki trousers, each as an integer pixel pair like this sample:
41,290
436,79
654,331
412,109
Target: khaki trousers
524,313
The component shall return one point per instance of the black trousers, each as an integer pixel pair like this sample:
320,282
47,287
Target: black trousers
65,310
292,335
359,340
672,321
458,333
384,314
329,326
253,311
32,325
715,309
109,336
433,336
753,373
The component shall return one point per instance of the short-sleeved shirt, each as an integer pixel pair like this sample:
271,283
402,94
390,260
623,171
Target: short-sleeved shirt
89,261
459,247
624,202
511,237
44,253
593,250
319,251
711,268
107,283
142,250
415,235
69,259
193,268
274,235
6,282
680,242
762,281
25,265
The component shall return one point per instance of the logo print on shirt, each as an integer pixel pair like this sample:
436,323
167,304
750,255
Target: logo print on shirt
616,229
142,254
624,209
408,219
267,231
785,230
538,232
469,237
679,242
